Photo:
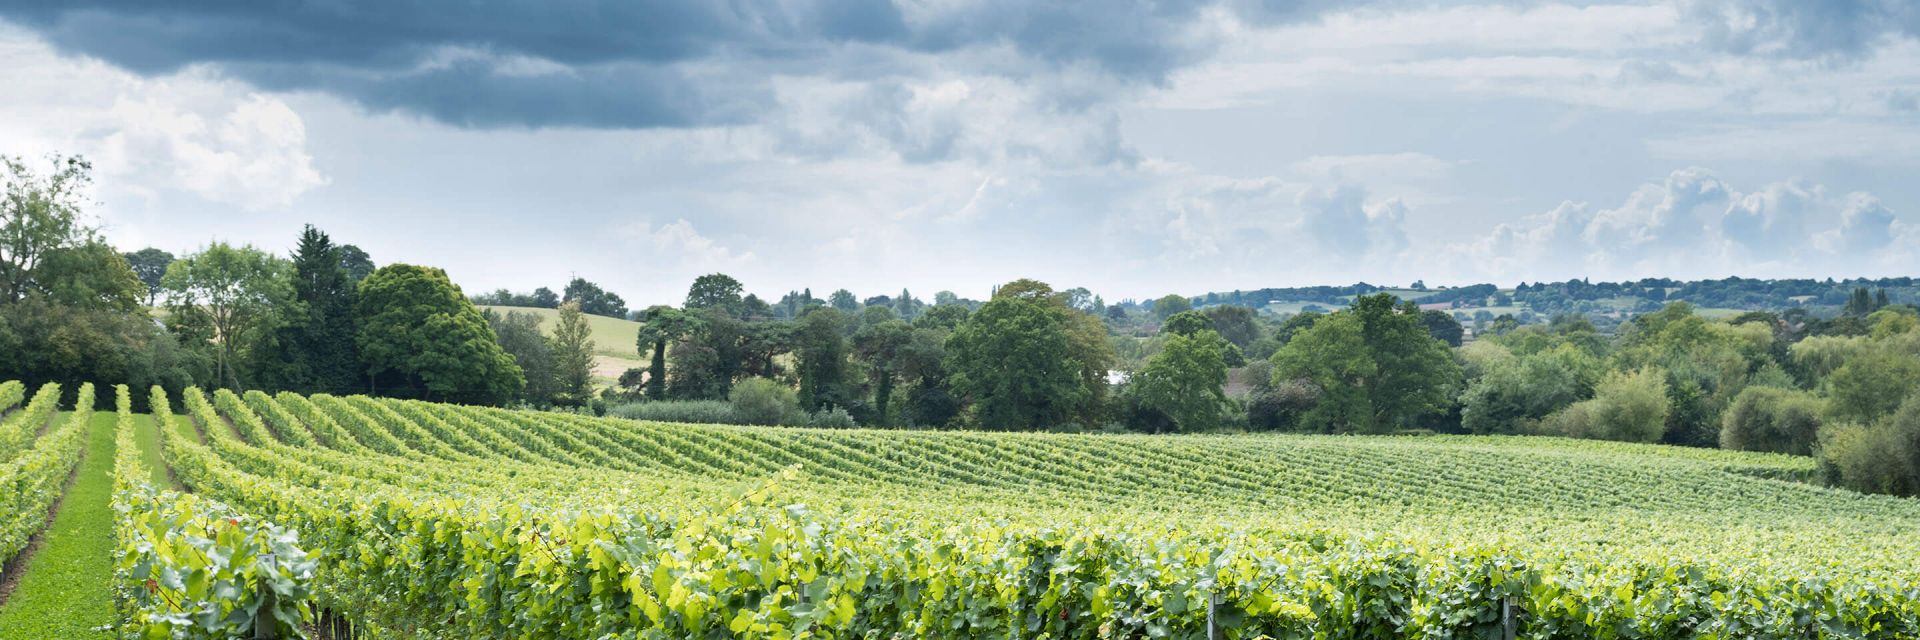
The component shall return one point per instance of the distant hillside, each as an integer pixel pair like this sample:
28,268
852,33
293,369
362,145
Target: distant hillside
611,336
1717,297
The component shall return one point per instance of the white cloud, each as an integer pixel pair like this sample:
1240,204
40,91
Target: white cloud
188,132
679,245
1693,225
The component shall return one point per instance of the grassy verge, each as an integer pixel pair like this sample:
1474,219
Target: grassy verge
148,439
66,591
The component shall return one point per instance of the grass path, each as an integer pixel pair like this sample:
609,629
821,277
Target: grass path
66,589
148,439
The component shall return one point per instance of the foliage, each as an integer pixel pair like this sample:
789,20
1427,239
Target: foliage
1626,406
1235,323
820,349
1443,327
1186,323
88,276
564,526
715,290
591,298
699,411
1025,361
885,347
31,477
572,357
238,295
519,334
313,349
1871,385
63,592
662,327
1772,419
1186,380
416,328
1169,305
764,401
41,341
1375,367
192,568
1510,394
39,214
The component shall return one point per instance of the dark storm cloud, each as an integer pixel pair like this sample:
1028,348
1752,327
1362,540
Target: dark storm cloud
606,63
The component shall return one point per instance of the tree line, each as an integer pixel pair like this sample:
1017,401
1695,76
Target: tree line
326,319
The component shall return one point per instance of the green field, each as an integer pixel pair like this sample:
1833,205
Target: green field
615,337
520,524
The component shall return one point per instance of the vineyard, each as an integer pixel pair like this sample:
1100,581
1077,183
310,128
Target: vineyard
413,520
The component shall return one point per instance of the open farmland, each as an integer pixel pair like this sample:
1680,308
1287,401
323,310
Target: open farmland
429,520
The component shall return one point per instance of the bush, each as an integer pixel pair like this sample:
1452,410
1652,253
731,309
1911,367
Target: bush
1871,385
835,418
1630,407
1772,419
1281,406
764,401
1882,458
703,411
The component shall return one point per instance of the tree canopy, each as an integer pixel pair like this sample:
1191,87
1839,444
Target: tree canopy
417,331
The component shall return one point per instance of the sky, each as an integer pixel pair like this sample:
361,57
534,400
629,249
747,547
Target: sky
1135,149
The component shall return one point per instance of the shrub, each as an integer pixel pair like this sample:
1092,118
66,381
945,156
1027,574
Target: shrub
705,411
1882,458
1280,406
1772,419
764,401
835,418
1871,385
1630,407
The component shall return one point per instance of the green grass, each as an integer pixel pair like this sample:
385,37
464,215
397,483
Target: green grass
148,439
67,590
611,336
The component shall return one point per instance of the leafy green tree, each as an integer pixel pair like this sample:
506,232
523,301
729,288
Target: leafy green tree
1376,367
592,299
41,341
883,347
1772,419
1235,323
1186,323
356,263
90,275
572,357
150,265
1511,395
38,215
1170,304
520,335
1883,457
313,350
1871,385
923,360
1187,380
715,290
1295,324
843,300
237,293
1443,327
1628,406
945,317
545,298
1026,361
662,326
820,347
417,330
707,360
